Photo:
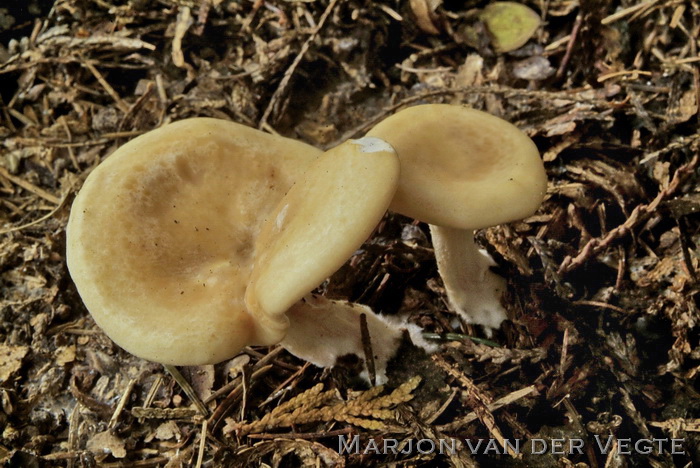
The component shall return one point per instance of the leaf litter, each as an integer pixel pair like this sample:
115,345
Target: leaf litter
603,292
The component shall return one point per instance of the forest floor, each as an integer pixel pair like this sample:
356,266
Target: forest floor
603,337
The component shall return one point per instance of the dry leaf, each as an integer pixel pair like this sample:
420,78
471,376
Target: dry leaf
106,442
470,73
11,360
533,68
687,107
65,354
511,24
167,431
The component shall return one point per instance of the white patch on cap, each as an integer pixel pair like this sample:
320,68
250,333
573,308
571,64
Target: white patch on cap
281,216
373,145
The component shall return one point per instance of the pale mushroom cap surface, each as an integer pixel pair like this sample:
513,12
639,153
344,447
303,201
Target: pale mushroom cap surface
160,238
324,218
461,167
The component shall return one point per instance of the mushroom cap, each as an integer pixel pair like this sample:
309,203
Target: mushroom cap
318,225
461,167
160,238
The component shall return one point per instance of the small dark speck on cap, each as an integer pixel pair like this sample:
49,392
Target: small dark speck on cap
176,221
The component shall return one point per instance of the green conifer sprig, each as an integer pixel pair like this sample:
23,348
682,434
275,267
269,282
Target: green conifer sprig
368,410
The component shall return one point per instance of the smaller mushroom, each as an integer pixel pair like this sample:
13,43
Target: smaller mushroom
316,227
461,170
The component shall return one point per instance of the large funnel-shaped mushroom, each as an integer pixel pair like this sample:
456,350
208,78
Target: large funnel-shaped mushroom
161,237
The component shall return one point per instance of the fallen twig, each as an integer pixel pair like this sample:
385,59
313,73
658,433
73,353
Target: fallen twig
638,215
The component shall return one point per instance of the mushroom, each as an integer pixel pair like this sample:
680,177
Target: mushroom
322,330
160,239
315,228
167,234
461,170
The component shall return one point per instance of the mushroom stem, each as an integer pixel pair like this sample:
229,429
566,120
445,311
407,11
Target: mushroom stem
321,330
473,290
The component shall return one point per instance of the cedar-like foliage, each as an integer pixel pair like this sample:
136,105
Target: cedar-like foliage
368,410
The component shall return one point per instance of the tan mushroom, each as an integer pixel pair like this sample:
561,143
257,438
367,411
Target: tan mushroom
161,237
461,170
314,230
